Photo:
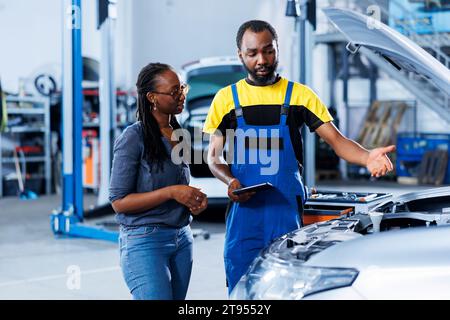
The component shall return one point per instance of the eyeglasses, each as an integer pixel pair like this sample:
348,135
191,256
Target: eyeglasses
183,89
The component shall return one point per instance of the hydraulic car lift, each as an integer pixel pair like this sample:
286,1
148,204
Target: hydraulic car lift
69,220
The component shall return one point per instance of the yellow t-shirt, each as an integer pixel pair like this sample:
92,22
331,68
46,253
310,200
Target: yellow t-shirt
264,106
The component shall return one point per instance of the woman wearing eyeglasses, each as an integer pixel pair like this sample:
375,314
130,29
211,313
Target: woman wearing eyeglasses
150,193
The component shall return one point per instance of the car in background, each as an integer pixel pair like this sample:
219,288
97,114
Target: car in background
205,78
344,258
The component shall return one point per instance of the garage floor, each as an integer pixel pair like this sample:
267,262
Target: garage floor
34,264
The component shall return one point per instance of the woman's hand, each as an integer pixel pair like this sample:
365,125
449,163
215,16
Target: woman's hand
197,210
191,197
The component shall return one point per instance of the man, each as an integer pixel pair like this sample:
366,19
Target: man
275,109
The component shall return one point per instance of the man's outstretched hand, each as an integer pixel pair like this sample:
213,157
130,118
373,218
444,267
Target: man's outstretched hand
378,162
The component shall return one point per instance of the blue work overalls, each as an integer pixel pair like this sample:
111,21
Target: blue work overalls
253,224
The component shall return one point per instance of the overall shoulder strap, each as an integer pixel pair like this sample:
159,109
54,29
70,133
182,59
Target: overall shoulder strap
284,110
237,104
287,97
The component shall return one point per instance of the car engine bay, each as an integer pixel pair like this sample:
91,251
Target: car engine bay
423,209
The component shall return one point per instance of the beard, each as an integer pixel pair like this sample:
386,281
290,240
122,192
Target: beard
266,79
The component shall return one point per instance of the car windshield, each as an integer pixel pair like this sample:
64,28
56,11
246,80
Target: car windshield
207,81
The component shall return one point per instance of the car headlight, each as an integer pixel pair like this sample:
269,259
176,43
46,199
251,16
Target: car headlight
272,279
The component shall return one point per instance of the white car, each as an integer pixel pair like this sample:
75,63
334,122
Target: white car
205,77
344,258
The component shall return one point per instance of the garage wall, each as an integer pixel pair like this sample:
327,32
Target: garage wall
145,31
31,37
179,31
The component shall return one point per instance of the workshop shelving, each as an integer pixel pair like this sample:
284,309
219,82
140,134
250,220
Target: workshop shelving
124,115
28,127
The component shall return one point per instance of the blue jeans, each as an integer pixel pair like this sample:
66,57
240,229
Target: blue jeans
156,262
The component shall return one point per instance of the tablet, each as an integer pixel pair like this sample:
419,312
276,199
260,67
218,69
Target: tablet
254,188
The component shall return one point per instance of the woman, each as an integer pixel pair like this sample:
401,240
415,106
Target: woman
150,193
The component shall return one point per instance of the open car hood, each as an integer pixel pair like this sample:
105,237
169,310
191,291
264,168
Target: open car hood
397,49
429,200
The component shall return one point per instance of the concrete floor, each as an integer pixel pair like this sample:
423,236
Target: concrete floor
34,264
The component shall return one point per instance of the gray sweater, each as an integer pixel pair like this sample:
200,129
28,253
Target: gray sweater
130,173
